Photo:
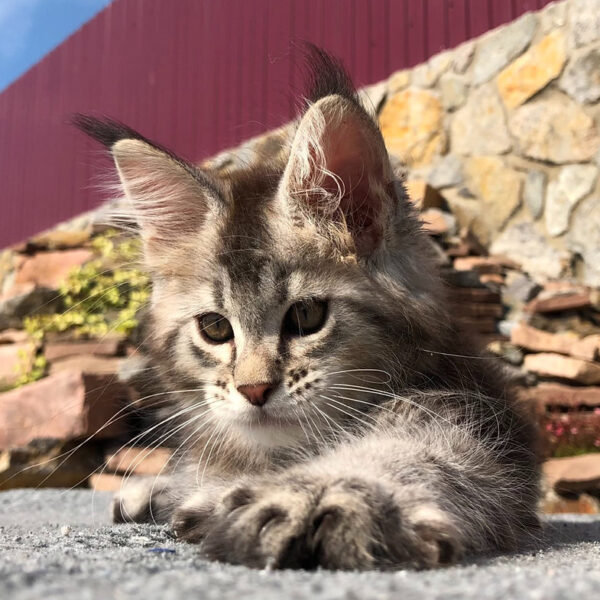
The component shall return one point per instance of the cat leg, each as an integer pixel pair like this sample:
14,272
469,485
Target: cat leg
380,502
143,500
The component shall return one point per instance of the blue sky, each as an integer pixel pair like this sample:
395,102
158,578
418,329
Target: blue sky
29,29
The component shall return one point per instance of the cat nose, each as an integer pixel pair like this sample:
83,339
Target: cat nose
256,394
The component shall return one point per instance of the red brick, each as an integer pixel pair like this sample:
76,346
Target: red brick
459,248
456,294
573,473
104,347
434,222
563,343
88,363
559,301
105,482
47,463
68,405
423,195
49,269
138,460
493,278
564,367
489,338
583,504
553,395
484,264
59,239
477,325
13,336
12,358
476,309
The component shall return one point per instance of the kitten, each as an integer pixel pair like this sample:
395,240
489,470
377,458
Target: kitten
329,412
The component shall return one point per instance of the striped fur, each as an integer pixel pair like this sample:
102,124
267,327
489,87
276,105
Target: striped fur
388,439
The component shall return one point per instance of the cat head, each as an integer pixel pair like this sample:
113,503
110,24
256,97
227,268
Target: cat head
282,292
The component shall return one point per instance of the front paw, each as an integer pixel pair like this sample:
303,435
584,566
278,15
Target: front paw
142,500
347,523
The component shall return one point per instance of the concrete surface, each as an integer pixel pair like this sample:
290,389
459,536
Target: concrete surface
60,544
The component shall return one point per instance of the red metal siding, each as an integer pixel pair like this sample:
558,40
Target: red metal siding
198,76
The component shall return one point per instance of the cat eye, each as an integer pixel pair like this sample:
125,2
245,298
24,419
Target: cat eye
304,318
215,328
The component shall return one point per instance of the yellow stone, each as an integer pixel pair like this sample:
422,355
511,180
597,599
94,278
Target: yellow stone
398,81
491,197
412,126
533,70
498,189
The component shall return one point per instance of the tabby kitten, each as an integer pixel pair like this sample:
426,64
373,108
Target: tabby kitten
328,411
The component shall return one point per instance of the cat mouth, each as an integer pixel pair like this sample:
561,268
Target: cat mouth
261,417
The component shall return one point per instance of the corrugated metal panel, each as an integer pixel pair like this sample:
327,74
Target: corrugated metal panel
198,76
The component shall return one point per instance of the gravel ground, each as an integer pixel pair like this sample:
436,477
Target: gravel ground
60,544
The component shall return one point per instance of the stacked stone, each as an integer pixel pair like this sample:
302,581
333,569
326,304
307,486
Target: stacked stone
548,336
63,430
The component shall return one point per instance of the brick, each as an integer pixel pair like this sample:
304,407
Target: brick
458,248
573,474
49,269
478,295
103,347
477,309
494,279
138,460
12,357
65,406
491,338
548,397
587,348
547,364
59,239
436,222
462,279
555,395
584,504
47,463
477,325
105,482
87,363
560,301
13,336
423,195
484,264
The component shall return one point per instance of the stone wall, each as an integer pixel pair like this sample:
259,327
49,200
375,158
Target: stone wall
506,128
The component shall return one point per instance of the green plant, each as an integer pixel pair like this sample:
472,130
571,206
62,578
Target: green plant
100,297
31,370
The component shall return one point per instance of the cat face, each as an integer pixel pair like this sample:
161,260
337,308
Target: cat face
289,297
275,329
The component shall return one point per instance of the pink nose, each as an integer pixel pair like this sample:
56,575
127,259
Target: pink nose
256,394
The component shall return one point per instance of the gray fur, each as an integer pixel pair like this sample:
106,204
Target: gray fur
388,438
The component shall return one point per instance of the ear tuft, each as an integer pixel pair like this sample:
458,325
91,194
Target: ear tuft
107,131
326,76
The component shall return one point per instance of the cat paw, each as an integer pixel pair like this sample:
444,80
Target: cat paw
347,524
141,500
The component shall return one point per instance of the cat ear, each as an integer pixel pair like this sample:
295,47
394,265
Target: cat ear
339,170
169,198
